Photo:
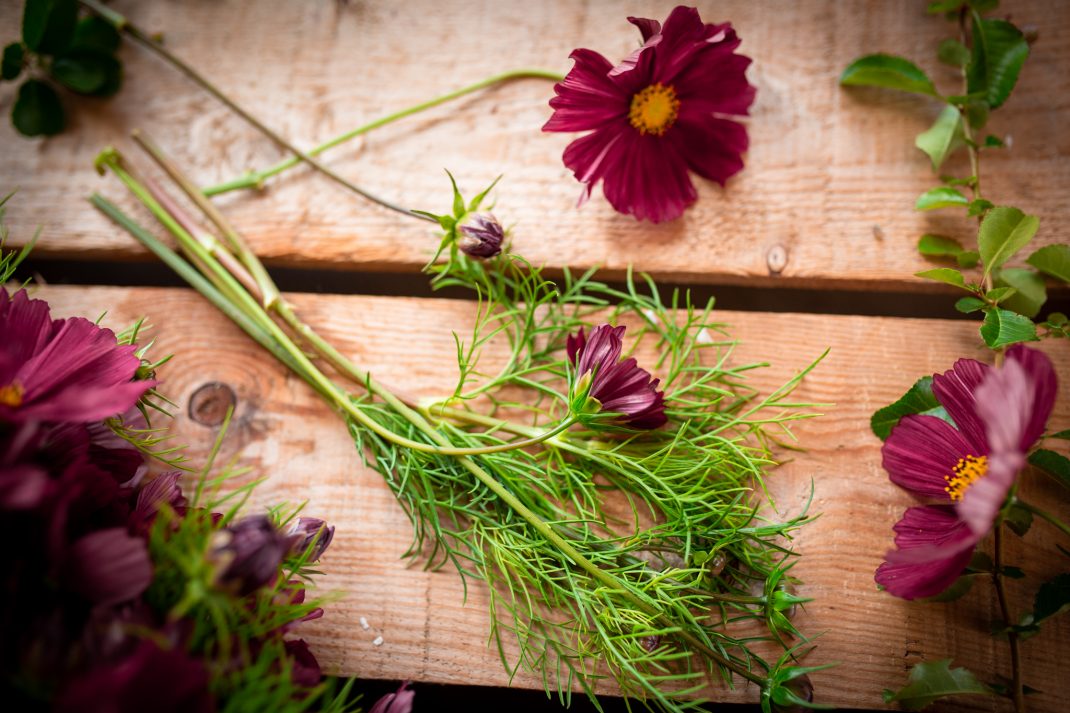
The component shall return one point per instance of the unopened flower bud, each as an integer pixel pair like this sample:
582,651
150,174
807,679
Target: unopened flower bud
480,235
716,563
651,643
310,532
791,694
248,554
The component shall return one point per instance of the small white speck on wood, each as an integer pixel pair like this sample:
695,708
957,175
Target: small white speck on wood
364,624
377,641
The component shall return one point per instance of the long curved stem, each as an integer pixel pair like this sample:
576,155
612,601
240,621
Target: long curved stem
255,179
1017,692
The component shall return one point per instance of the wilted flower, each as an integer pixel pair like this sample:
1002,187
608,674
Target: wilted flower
310,532
619,387
966,472
248,554
66,370
480,235
656,115
398,702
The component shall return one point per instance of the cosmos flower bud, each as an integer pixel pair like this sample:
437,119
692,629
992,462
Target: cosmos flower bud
248,554
605,383
310,532
794,695
480,235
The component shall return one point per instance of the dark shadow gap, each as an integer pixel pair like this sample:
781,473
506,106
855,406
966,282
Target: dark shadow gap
729,297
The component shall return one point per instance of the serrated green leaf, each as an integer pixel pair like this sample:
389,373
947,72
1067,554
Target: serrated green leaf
81,72
968,258
932,680
943,138
932,245
1052,260
95,34
998,294
12,62
999,51
1054,464
946,275
1004,231
919,399
48,25
1052,598
940,197
977,207
953,52
888,71
966,305
37,110
1003,327
1030,293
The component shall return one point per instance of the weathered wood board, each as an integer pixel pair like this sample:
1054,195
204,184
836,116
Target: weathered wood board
825,200
284,432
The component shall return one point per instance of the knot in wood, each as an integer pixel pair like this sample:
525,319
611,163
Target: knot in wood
209,403
776,259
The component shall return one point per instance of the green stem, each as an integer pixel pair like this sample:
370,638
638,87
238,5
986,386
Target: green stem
1044,514
1017,692
255,179
122,24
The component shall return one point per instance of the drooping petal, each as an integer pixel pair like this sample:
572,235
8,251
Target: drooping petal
109,566
650,180
921,452
1045,387
934,547
647,28
713,146
574,344
587,98
955,390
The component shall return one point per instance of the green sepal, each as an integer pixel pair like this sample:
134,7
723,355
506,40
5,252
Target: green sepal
37,110
918,399
930,681
14,56
1003,327
1053,260
941,197
888,71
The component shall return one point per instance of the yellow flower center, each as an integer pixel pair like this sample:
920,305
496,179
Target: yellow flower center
11,395
654,109
964,474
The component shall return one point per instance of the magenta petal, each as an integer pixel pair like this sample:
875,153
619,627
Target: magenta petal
593,156
1045,386
587,98
934,548
954,389
712,146
921,452
647,28
109,566
716,85
650,181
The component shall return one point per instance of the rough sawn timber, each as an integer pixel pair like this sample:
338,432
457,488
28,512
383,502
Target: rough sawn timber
286,434
825,200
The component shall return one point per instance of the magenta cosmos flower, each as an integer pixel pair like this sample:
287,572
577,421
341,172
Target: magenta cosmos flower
66,370
963,471
656,115
620,387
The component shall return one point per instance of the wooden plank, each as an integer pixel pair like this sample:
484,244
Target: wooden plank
284,432
830,178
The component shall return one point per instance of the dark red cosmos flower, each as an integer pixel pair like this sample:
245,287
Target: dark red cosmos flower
67,370
656,115
963,471
249,554
620,387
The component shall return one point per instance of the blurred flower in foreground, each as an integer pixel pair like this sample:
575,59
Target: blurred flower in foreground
398,702
248,553
966,471
310,532
618,387
656,115
66,370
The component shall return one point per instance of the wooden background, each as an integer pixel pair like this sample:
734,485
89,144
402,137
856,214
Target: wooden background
830,181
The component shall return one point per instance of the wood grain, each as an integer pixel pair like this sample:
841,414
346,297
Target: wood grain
430,634
830,179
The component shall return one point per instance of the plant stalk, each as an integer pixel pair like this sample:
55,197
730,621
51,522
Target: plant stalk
1044,514
1017,692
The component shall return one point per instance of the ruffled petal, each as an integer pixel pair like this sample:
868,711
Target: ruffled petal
687,40
587,98
647,28
592,157
954,390
713,147
109,566
921,452
1044,386
650,180
715,84
934,547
